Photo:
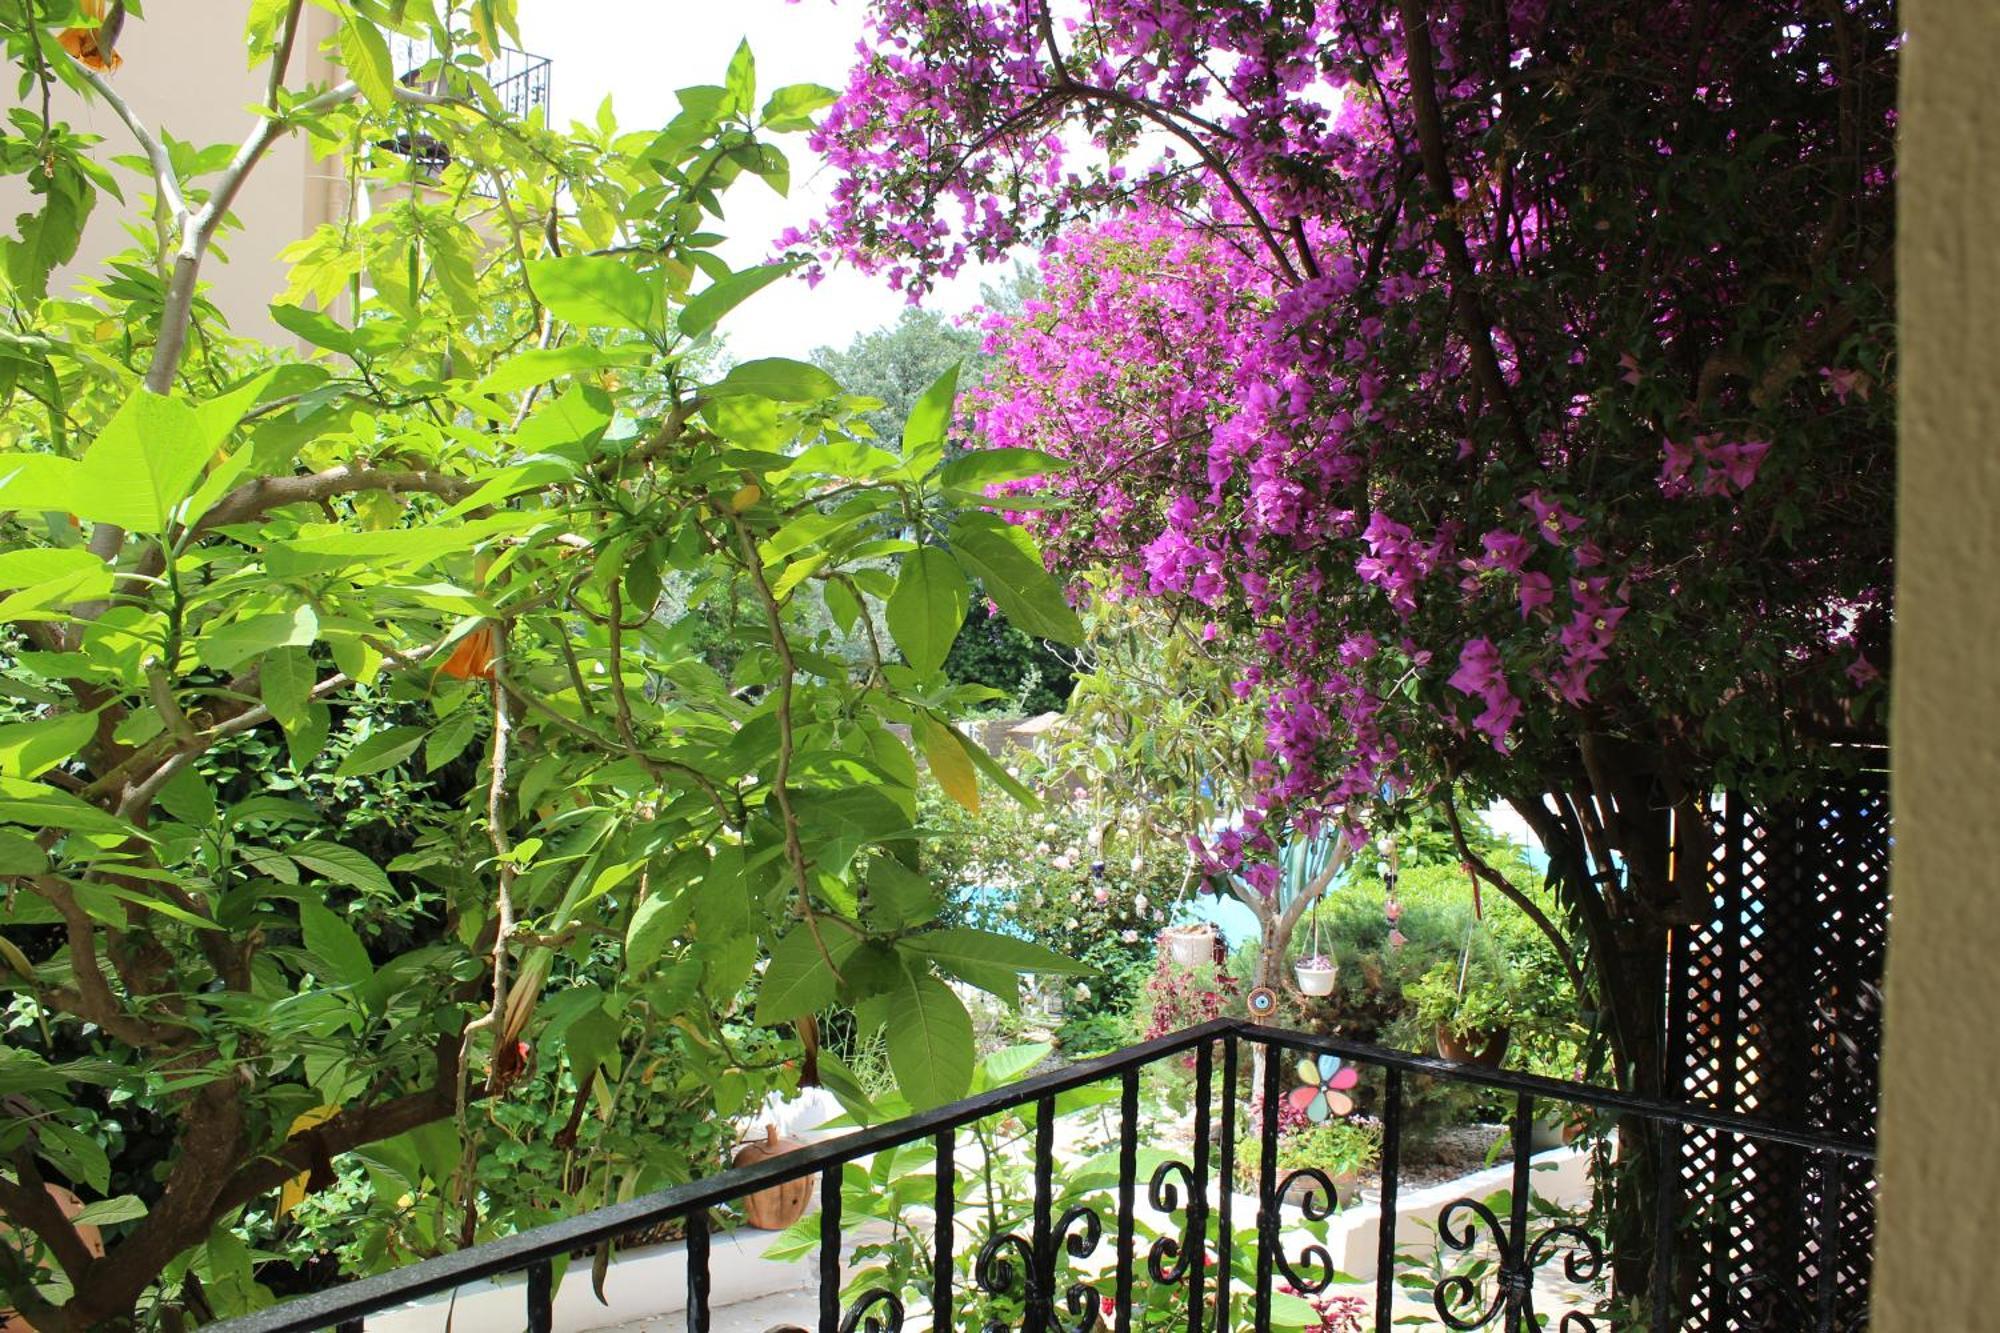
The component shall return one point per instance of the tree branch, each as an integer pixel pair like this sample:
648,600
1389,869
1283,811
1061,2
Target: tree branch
162,165
1474,326
1479,866
92,999
29,1204
344,1132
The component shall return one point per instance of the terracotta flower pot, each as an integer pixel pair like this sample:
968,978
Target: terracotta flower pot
1488,1047
1346,1188
92,1241
774,1207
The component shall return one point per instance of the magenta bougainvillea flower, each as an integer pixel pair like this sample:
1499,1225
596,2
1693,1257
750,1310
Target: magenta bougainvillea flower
1599,449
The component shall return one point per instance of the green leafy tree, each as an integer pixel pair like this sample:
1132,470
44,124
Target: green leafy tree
896,364
436,544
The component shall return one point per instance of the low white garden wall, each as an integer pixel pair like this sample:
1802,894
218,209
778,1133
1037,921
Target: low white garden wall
651,1282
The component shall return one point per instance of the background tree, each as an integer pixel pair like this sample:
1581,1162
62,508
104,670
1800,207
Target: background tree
897,364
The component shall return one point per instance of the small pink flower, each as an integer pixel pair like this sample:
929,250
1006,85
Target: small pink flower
1551,520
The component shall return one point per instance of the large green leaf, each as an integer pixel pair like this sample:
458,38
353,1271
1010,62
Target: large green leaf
37,482
316,327
21,855
48,236
836,825
930,1041
598,291
285,678
928,607
790,108
539,365
142,464
1001,557
654,923
384,749
365,54
707,308
319,551
800,978
929,420
30,749
230,646
43,806
780,380
31,565
343,865
331,940
897,896
973,955
986,467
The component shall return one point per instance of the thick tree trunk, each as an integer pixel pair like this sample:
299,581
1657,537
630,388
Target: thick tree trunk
1612,860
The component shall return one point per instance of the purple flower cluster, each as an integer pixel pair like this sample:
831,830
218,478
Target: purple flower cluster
1406,459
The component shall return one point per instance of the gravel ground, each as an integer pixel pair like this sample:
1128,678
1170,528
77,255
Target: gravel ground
1457,1151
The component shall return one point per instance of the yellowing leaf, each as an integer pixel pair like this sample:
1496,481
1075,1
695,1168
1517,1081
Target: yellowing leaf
293,1192
944,751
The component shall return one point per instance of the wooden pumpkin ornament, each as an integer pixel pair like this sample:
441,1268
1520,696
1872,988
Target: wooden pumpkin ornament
774,1207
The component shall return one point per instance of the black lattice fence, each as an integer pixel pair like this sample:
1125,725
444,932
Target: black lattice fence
1775,1012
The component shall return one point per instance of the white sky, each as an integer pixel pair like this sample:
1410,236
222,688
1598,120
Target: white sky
639,51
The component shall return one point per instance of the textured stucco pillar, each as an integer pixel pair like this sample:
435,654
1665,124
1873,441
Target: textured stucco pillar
1938,1248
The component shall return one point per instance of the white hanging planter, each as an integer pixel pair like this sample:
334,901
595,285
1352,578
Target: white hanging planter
1315,975
1190,945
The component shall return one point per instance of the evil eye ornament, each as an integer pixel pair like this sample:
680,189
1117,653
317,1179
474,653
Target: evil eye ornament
1323,1091
1263,1002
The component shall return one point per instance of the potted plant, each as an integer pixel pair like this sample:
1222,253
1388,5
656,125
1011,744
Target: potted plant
1315,974
1189,945
1341,1149
1316,970
1468,1007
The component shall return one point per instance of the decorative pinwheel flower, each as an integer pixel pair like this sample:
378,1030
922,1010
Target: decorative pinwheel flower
1323,1091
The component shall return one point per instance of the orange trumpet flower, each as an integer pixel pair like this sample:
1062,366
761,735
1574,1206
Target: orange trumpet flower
96,47
472,659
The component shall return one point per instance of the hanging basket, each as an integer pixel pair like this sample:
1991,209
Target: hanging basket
774,1207
1315,977
1189,946
1487,1047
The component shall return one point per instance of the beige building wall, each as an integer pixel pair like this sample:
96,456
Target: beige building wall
186,72
1940,1219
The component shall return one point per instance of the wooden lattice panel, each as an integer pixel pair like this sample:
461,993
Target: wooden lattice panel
1775,1012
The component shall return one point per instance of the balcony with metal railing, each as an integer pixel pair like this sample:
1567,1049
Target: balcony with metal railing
1137,1228
519,81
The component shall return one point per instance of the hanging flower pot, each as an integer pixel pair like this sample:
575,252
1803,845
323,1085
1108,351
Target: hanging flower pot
1315,974
1190,945
774,1207
1486,1047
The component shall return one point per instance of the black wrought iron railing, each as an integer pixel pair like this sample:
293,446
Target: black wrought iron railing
1073,1262
519,80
